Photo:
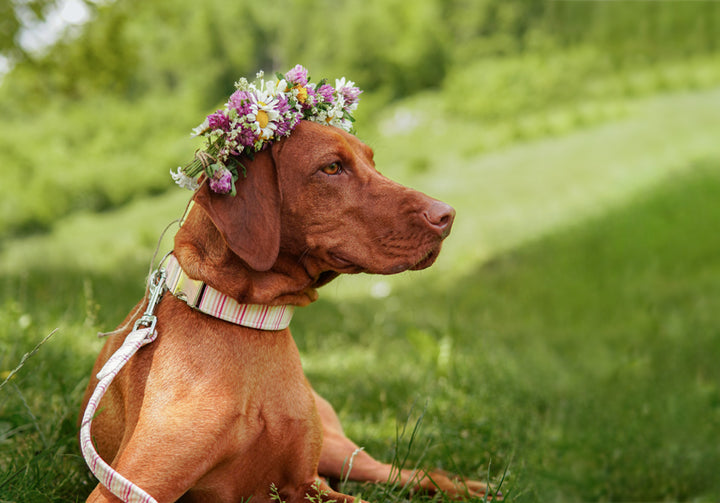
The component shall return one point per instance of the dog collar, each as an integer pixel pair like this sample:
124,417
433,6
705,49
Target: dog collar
208,300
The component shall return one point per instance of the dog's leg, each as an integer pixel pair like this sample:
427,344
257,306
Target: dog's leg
150,472
169,449
340,454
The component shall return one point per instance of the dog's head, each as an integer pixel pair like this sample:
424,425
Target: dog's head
312,201
316,195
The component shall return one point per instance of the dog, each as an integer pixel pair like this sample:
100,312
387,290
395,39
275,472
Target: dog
212,411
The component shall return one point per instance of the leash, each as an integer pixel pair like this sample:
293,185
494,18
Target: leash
143,332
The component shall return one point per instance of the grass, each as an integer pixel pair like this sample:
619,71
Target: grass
584,361
576,352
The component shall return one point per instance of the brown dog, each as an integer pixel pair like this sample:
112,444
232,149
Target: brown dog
216,412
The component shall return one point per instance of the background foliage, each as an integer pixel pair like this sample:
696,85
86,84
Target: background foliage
565,337
91,114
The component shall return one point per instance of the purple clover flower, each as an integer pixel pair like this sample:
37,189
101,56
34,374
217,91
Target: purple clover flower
283,128
282,106
284,124
297,75
221,182
219,120
326,91
245,136
240,101
351,94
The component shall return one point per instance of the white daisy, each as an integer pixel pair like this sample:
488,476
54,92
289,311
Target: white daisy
263,114
275,88
341,82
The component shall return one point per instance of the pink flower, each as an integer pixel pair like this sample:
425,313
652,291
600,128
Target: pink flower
241,101
297,75
244,136
351,94
326,91
219,120
284,123
221,182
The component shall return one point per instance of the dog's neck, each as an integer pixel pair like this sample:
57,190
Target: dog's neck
204,255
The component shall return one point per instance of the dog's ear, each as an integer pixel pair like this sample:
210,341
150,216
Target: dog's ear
250,221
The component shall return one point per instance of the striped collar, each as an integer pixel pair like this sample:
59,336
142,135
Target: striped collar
206,299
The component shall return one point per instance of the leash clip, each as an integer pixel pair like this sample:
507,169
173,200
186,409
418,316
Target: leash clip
157,288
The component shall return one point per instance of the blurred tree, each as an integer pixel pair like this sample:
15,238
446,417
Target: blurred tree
20,16
132,47
118,91
14,15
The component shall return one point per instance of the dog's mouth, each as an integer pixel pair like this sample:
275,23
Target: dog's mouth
427,260
342,264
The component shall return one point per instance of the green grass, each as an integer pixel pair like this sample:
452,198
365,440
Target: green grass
585,361
567,333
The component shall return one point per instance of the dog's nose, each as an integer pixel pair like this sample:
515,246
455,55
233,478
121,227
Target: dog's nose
440,216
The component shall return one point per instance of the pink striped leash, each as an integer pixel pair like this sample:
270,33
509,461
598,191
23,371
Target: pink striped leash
116,483
143,333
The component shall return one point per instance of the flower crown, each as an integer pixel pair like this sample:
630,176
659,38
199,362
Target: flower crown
259,113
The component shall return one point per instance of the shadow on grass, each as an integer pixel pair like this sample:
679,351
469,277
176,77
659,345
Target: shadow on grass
585,361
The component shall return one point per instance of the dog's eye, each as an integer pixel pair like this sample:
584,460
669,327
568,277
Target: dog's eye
332,169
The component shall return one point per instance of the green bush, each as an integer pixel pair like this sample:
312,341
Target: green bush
498,89
94,155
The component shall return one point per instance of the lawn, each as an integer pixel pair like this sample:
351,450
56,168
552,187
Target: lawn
566,337
584,361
